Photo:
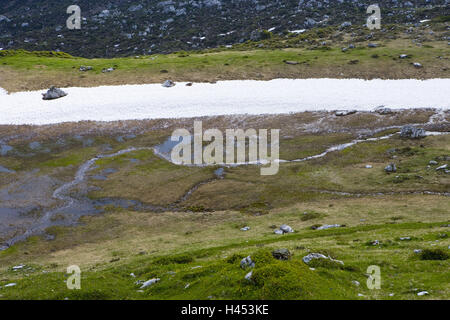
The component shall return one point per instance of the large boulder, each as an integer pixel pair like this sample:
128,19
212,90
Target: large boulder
411,132
53,93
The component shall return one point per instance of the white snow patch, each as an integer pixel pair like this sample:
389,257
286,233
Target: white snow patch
3,92
152,101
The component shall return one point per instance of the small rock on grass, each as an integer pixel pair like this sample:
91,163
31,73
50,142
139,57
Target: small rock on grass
329,226
412,132
247,262
343,113
286,229
423,293
248,276
390,168
307,259
245,228
149,283
281,254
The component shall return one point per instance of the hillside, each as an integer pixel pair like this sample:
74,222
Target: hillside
123,28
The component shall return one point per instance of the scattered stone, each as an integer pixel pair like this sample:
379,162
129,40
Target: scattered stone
248,276
443,167
85,68
189,84
132,275
247,262
423,293
196,267
290,62
390,168
403,56
245,228
329,226
417,65
106,70
278,231
356,283
19,267
383,110
405,239
281,254
375,243
286,229
168,84
307,259
10,285
433,163
412,132
53,93
343,113
372,45
149,283
368,166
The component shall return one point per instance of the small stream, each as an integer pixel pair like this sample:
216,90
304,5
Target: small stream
74,208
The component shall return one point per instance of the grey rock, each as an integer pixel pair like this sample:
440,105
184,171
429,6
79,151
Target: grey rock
390,168
443,167
278,231
383,110
247,263
107,70
433,163
281,254
307,259
168,84
329,226
411,132
149,283
85,68
343,113
286,229
248,276
53,93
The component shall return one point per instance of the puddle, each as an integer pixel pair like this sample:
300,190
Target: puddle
220,172
4,149
5,170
